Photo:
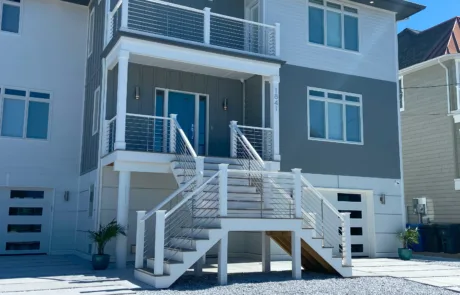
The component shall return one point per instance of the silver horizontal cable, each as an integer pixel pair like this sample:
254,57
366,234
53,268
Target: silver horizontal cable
114,21
147,133
239,34
109,136
185,154
261,139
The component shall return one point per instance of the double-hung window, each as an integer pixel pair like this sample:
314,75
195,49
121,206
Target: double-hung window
334,116
25,113
333,25
10,13
90,33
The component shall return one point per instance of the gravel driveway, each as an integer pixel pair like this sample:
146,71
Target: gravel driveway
280,283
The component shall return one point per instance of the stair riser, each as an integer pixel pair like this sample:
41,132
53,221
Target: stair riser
184,243
174,255
206,222
197,233
151,265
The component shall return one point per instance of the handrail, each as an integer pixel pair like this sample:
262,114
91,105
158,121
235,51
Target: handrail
176,6
184,137
241,20
147,116
318,194
250,147
111,120
167,200
256,128
115,8
191,195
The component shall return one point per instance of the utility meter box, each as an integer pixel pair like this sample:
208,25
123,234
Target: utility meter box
419,205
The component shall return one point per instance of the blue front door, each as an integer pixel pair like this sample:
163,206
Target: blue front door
183,105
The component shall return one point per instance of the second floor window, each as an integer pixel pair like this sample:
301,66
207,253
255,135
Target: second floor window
10,12
90,33
334,116
25,114
333,25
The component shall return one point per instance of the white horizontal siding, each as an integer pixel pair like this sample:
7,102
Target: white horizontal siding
376,59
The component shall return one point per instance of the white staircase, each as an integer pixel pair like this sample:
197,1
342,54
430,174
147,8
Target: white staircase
218,195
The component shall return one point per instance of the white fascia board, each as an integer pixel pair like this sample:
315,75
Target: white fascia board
428,63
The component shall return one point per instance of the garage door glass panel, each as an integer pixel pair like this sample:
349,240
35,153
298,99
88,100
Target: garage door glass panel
13,117
17,194
357,248
19,211
353,213
24,228
348,197
22,246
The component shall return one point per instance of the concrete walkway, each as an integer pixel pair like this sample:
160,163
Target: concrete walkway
70,275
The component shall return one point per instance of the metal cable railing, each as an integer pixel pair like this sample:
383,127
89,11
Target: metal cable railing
109,135
185,154
239,34
320,215
148,133
261,139
198,212
114,21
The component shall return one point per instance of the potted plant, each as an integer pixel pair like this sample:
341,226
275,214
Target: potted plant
408,237
101,237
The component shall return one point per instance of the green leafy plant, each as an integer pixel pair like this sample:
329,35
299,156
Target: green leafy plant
106,233
409,237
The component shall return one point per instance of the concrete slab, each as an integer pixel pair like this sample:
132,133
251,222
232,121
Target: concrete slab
439,281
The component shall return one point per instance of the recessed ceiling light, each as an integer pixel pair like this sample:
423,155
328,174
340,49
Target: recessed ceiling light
372,2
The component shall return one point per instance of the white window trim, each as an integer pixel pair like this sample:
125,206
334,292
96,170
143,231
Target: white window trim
91,26
96,105
20,16
27,99
343,12
344,103
401,99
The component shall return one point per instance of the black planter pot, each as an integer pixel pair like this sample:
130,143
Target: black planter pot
101,262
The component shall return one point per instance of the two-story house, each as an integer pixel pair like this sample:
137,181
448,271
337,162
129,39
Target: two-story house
231,128
430,77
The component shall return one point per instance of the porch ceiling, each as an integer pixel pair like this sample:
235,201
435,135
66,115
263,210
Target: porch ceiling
186,67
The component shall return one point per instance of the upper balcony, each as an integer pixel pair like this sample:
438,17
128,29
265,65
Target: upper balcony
184,25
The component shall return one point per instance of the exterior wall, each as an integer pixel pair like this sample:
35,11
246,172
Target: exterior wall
93,80
377,41
31,61
253,102
429,147
233,8
384,220
378,157
147,78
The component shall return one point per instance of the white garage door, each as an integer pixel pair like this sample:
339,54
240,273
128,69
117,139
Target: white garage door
24,221
355,203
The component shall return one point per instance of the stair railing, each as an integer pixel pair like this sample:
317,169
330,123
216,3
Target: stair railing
326,221
199,208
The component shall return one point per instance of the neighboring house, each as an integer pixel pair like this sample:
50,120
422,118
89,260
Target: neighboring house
202,108
429,63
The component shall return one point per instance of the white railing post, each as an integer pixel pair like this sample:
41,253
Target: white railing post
223,189
172,133
159,242
140,243
122,93
278,39
124,14
199,161
297,193
346,240
233,139
207,25
274,112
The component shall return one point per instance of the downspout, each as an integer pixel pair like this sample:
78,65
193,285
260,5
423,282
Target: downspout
244,101
447,84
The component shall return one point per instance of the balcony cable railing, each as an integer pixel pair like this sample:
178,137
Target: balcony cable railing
178,22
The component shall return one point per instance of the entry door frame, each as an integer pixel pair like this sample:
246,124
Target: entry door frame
197,114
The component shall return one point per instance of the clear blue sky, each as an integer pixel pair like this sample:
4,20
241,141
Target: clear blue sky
436,12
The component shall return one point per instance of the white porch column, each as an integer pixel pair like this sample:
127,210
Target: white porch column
296,255
122,93
266,257
124,184
222,260
274,114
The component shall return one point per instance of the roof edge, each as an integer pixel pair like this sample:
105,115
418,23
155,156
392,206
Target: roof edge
428,63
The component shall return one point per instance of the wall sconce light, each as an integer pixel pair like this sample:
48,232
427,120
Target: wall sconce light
383,199
137,93
225,104
66,196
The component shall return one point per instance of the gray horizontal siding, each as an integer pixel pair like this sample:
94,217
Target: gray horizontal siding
430,143
148,78
378,157
90,143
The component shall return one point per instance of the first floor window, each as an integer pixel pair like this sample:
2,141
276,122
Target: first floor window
334,116
25,114
10,15
96,110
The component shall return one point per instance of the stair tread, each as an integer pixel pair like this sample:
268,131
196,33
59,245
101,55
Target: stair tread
150,272
179,249
170,261
192,238
208,227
